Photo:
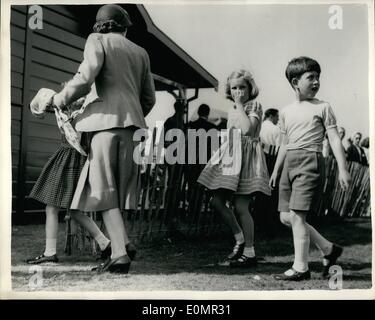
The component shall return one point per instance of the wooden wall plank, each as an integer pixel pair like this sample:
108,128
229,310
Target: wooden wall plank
14,173
16,64
15,158
15,127
16,80
57,48
48,120
61,21
16,95
17,33
16,112
38,83
14,187
31,204
53,61
37,159
41,130
49,73
17,49
15,142
19,8
33,173
62,10
18,19
43,144
61,35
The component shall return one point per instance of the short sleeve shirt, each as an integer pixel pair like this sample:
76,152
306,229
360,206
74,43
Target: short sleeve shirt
305,123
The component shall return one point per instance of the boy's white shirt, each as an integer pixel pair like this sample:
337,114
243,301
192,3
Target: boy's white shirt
305,127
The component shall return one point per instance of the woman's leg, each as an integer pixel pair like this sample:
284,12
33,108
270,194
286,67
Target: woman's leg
52,224
116,229
91,227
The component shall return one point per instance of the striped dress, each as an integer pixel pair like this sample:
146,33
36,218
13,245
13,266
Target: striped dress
248,170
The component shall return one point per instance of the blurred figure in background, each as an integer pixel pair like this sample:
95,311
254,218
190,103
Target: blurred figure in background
365,144
355,152
270,140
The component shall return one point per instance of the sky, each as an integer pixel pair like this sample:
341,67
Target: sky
262,39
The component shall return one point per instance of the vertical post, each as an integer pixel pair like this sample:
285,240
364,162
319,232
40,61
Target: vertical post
25,114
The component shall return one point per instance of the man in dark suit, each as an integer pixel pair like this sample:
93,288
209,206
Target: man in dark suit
201,123
355,152
195,190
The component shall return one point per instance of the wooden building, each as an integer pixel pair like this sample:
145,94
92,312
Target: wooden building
49,56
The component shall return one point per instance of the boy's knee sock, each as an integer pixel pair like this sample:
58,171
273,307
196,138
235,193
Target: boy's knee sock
301,239
322,243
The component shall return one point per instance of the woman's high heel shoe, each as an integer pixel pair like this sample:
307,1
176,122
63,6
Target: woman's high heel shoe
118,265
130,250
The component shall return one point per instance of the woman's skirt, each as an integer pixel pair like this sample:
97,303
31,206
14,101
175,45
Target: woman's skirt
110,177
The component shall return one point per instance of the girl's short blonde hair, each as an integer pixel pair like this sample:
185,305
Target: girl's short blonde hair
248,77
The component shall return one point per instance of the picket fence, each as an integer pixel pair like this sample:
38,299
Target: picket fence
169,206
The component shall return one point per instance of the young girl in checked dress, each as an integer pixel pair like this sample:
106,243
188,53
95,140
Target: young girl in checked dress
245,115
55,187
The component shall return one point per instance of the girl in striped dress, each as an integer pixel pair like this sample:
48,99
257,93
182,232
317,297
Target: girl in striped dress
247,173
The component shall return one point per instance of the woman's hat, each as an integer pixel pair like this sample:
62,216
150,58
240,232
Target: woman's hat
115,13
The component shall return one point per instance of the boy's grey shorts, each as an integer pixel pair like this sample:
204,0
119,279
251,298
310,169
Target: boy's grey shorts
302,180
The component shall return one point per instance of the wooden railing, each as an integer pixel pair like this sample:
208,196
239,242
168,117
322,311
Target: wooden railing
168,205
353,203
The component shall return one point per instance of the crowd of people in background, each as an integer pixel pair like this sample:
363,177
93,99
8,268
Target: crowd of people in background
356,148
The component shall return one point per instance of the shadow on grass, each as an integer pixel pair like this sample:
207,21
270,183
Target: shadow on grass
358,277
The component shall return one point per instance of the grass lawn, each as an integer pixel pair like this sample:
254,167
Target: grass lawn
182,264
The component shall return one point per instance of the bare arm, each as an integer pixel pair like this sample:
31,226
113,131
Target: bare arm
238,118
339,153
279,161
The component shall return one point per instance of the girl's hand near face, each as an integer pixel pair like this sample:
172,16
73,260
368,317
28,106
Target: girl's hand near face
238,99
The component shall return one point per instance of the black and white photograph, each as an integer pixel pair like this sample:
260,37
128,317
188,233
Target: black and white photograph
187,150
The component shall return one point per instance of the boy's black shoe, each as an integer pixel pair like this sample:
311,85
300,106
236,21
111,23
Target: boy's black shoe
243,262
330,259
42,259
296,276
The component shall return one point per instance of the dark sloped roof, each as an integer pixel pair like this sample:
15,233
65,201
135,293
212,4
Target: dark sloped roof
168,60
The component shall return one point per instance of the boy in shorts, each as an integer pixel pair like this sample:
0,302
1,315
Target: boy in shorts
303,125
